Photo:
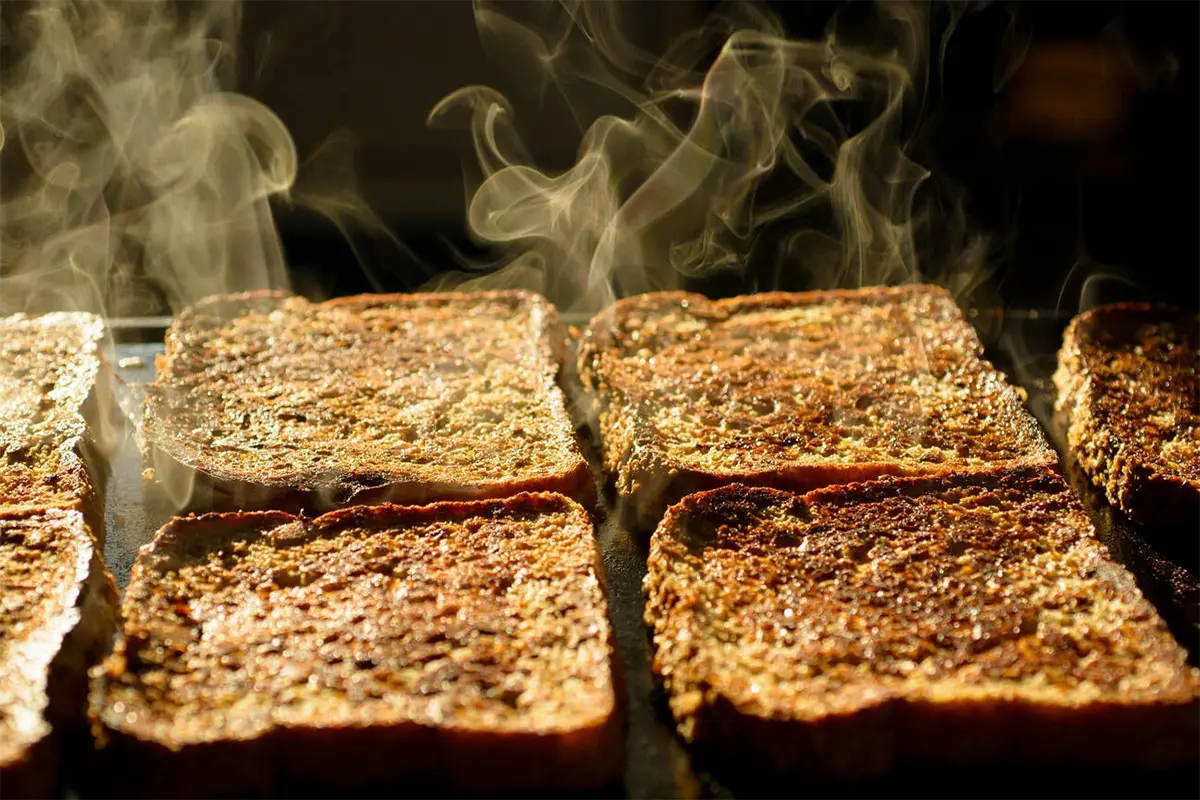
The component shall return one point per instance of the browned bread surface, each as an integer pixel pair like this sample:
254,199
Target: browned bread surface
961,618
272,401
49,367
58,607
1128,384
796,391
465,645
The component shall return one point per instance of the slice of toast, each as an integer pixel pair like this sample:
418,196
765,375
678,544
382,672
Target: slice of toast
268,401
1128,385
795,391
49,398
455,645
58,607
950,619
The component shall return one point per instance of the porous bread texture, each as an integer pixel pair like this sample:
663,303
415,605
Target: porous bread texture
49,372
1128,382
57,598
58,606
457,645
269,401
956,619
795,391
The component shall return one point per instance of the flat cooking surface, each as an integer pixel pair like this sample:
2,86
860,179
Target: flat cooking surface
1024,345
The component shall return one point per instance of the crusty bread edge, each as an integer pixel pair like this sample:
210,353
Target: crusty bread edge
217,491
872,740
651,482
51,759
82,474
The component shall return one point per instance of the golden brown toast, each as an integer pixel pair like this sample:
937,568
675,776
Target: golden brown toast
953,618
49,374
268,401
796,391
58,613
1128,381
454,645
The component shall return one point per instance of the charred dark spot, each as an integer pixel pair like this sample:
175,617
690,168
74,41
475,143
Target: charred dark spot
19,455
861,550
785,539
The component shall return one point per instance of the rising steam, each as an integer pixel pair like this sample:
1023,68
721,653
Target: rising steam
650,204
126,163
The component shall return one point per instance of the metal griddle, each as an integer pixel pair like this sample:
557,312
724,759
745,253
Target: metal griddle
1023,344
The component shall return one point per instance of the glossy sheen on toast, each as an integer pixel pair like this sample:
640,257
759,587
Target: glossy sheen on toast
49,368
58,611
456,645
272,401
796,391
1128,382
963,618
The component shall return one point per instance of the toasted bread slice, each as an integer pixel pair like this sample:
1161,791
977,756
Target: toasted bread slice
796,391
269,401
956,619
1128,384
457,645
49,377
58,606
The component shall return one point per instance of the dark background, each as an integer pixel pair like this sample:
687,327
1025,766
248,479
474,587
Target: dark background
1117,217
1075,214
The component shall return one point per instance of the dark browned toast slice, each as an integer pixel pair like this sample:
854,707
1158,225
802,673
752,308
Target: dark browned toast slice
58,613
265,400
456,645
49,377
796,391
1128,382
954,619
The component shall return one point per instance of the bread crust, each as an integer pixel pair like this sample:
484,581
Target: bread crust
54,381
522,572
388,370
951,619
64,624
59,610
795,391
1128,388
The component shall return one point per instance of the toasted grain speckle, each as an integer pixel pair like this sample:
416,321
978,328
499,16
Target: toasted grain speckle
448,396
796,391
48,366
983,597
484,616
1128,379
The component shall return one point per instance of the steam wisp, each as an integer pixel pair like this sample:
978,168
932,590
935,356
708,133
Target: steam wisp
651,203
134,181
128,166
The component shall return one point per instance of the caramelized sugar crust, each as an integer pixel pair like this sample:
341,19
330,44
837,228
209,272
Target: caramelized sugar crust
1128,381
406,398
877,608
49,365
480,623
796,391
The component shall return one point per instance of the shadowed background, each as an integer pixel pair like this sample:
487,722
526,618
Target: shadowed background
1083,175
